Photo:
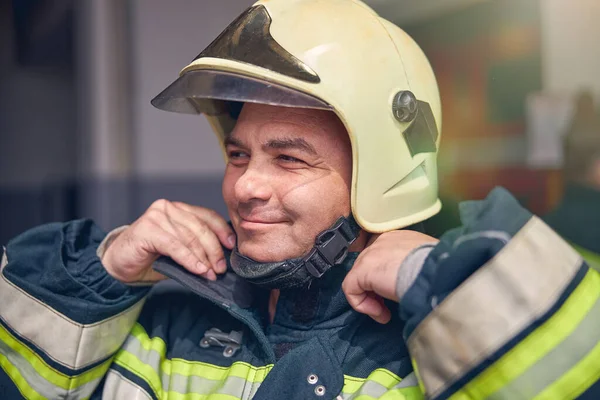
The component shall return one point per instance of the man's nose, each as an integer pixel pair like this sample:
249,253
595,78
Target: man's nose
253,185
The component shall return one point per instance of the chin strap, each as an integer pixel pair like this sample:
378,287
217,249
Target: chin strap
331,248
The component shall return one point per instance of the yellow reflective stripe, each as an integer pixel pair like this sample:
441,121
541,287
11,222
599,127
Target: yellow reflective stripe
198,368
181,367
416,371
66,342
382,376
523,282
537,344
352,384
155,343
144,371
592,258
381,384
409,393
216,373
50,374
18,379
195,396
577,380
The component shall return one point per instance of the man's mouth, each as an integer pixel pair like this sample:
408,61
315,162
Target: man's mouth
253,223
259,221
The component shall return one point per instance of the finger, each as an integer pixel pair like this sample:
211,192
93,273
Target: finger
373,306
210,275
380,313
169,245
162,221
354,288
192,242
217,224
199,237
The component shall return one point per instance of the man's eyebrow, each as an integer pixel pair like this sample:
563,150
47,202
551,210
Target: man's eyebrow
231,141
291,143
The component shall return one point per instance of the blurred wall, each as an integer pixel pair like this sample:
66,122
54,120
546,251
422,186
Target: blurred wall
570,49
88,142
133,154
38,148
175,156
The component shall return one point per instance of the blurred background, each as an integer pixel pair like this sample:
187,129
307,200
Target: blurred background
79,138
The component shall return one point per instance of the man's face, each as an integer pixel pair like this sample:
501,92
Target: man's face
288,178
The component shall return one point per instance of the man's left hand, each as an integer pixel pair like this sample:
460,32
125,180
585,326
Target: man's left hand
374,274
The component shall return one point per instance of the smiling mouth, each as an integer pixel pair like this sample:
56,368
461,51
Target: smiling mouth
258,221
253,223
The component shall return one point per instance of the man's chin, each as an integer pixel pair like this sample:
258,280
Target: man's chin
266,254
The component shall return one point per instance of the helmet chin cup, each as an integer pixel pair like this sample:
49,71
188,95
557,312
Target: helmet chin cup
330,249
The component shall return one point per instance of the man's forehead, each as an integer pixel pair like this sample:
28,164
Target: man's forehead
269,113
288,121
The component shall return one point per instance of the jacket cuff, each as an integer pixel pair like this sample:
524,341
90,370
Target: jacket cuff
108,240
411,268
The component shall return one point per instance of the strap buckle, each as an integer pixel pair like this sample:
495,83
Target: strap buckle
331,247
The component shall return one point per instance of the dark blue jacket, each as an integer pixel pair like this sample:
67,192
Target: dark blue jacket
501,308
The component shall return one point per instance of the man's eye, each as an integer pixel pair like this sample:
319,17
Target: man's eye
289,159
236,155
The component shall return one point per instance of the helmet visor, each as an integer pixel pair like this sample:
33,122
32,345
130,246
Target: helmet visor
209,91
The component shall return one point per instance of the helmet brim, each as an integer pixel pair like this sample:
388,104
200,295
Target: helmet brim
205,91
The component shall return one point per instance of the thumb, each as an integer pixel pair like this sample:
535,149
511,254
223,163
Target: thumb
365,301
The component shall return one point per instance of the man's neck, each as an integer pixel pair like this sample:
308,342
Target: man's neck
273,304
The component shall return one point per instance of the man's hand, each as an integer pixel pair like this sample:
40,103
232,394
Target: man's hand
191,236
374,274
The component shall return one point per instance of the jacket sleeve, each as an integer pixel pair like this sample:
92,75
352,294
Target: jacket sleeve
62,316
502,308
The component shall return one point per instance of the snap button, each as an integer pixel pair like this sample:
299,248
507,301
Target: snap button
228,352
320,390
312,379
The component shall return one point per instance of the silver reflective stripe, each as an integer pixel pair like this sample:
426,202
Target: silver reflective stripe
232,385
515,288
118,387
408,381
150,357
369,388
4,259
65,341
41,385
411,268
559,360
496,235
375,390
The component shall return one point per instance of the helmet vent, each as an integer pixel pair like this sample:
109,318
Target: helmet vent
416,180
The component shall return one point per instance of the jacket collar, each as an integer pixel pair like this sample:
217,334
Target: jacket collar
320,304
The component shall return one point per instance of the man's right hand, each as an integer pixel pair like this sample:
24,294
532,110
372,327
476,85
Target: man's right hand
190,235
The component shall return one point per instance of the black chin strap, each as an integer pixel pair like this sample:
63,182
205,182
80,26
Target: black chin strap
331,248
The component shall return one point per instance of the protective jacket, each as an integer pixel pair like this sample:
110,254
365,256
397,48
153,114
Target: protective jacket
577,220
501,308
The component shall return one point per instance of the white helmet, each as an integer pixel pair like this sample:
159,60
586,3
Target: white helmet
337,55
